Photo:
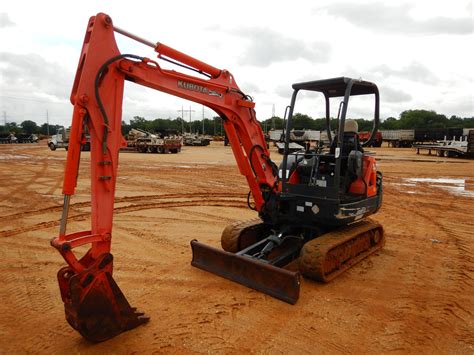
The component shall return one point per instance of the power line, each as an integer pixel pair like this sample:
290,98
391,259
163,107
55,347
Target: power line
182,119
47,122
203,119
273,116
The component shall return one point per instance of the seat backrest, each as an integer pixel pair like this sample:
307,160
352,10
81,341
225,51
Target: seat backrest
350,142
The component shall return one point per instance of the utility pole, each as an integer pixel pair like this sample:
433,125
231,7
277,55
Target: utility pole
273,116
182,117
190,124
202,119
47,123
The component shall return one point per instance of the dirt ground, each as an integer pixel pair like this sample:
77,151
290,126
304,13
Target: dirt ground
415,295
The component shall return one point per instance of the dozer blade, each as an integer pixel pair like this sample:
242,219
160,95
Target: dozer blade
274,281
94,304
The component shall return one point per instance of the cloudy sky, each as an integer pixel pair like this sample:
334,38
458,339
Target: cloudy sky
419,53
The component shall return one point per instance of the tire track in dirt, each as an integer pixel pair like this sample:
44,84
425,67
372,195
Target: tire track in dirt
217,202
27,290
449,312
57,184
121,200
464,254
205,215
24,186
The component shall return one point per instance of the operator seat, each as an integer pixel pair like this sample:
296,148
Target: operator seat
350,139
352,155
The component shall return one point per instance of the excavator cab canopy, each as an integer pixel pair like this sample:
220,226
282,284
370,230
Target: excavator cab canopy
336,87
331,188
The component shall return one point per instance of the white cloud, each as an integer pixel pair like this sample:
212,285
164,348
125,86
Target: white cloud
419,52
267,46
5,20
397,19
414,71
393,95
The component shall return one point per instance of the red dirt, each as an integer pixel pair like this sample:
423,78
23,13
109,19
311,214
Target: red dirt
415,295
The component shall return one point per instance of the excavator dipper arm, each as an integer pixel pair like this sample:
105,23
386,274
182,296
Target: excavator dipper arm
94,304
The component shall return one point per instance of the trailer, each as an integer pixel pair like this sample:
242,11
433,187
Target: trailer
436,134
27,138
299,138
146,142
463,147
304,135
399,138
292,147
405,138
276,135
7,138
196,140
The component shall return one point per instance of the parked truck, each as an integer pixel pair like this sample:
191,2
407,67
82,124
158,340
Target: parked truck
146,142
196,140
8,138
27,138
61,140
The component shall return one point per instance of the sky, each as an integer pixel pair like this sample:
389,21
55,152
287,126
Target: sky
419,53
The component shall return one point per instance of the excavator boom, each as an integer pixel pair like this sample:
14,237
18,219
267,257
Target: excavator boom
94,304
311,209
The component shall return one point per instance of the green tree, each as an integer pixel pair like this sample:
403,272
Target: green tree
11,127
390,123
422,119
29,127
138,122
455,121
302,121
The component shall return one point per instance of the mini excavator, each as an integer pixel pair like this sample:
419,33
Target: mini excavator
312,208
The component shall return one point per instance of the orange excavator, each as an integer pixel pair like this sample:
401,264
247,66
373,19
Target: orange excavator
312,208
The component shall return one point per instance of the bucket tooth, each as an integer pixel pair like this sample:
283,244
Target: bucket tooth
94,304
274,281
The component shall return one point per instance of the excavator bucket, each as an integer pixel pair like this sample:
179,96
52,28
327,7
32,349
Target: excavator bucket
94,304
274,281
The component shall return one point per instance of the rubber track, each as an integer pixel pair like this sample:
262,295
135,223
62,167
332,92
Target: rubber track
317,254
231,235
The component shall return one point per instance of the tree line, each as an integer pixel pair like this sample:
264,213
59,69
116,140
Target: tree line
409,119
29,127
